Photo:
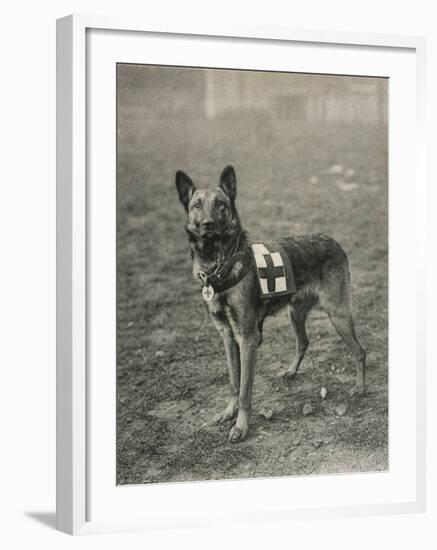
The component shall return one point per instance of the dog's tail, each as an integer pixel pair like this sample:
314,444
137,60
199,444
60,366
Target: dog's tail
336,277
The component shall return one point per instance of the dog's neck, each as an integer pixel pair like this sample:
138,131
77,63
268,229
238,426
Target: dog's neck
211,253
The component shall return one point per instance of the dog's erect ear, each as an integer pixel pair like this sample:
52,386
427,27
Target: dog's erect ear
228,182
185,188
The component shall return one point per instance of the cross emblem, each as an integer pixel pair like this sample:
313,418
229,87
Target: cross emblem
271,272
208,293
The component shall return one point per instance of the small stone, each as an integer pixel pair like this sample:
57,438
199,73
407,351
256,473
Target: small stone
335,169
316,443
267,413
346,186
307,409
323,393
159,353
340,410
314,180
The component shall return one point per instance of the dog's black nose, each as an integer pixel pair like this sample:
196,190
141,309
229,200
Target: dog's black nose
208,224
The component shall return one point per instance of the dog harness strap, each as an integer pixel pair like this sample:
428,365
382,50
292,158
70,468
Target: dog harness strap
221,273
220,281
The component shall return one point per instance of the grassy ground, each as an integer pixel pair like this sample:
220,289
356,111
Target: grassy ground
171,370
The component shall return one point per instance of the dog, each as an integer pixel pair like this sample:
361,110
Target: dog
223,261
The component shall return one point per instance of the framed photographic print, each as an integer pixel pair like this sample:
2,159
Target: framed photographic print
238,221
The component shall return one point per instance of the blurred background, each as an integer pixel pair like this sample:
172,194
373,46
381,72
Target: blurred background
311,155
211,93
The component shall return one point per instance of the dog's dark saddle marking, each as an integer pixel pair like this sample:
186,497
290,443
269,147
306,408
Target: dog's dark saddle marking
274,271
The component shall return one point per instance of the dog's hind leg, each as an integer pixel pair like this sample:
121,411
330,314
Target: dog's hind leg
298,313
344,325
335,299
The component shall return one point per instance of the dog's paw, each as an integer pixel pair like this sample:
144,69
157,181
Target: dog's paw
238,433
286,374
226,414
218,418
222,417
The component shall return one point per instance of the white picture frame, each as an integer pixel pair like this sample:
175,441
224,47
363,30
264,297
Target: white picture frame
73,211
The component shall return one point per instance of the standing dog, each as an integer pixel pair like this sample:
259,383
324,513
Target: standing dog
223,260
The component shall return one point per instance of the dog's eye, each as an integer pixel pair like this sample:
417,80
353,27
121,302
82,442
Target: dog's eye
220,204
196,204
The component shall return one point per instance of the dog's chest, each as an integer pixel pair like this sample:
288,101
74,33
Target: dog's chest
223,313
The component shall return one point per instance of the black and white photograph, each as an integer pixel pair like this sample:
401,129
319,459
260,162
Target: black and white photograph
218,275
252,274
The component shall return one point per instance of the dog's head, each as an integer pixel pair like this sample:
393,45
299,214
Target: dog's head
211,212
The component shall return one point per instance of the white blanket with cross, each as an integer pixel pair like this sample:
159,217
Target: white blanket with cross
274,270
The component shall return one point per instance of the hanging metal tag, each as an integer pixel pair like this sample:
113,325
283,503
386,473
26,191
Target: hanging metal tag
208,293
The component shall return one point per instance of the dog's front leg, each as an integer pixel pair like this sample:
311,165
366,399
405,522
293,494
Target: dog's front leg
248,347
